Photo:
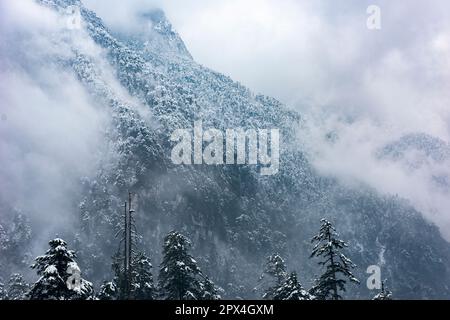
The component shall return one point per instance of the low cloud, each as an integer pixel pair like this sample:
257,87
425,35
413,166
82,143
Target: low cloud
51,130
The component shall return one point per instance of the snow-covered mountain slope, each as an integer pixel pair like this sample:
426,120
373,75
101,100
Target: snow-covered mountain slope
149,85
417,149
421,152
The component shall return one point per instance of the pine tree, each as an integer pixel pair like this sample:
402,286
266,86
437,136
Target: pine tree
108,291
20,233
17,287
3,295
384,294
179,274
142,281
275,269
60,276
4,239
15,242
209,290
120,278
337,265
132,269
291,289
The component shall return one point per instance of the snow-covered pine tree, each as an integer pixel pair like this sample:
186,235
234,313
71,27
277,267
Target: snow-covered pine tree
116,289
20,232
4,239
291,289
275,269
142,286
141,282
60,276
3,295
209,290
384,294
179,275
337,266
108,291
17,287
15,242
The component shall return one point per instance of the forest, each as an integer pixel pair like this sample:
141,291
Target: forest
179,276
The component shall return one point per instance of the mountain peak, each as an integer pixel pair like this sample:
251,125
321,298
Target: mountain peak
162,38
60,3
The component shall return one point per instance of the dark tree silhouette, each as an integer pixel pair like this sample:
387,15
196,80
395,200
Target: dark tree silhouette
337,266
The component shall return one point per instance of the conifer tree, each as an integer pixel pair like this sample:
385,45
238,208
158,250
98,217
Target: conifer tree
108,291
337,266
142,281
132,269
120,278
4,239
179,275
275,270
291,289
20,233
3,295
60,276
17,287
209,290
384,294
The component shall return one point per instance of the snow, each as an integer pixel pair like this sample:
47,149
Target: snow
51,269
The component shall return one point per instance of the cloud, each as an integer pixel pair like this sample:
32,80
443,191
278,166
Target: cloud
51,130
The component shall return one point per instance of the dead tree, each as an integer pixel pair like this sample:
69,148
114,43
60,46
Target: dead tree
127,251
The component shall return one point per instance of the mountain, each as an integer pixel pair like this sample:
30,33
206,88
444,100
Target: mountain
420,152
156,36
426,147
235,216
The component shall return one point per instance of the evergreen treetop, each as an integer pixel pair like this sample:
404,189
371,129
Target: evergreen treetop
17,287
291,289
179,276
384,294
337,266
275,269
60,276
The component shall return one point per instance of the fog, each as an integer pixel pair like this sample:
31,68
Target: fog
51,130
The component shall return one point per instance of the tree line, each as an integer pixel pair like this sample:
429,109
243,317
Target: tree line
180,277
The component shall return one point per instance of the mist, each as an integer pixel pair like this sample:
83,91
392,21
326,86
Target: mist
51,130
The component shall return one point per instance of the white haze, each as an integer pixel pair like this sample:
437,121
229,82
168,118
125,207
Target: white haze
368,87
51,130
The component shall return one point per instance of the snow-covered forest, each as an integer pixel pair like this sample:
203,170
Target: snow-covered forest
179,276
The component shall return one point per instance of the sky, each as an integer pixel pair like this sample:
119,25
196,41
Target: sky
369,87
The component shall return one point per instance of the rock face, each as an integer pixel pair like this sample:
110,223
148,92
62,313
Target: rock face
234,216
